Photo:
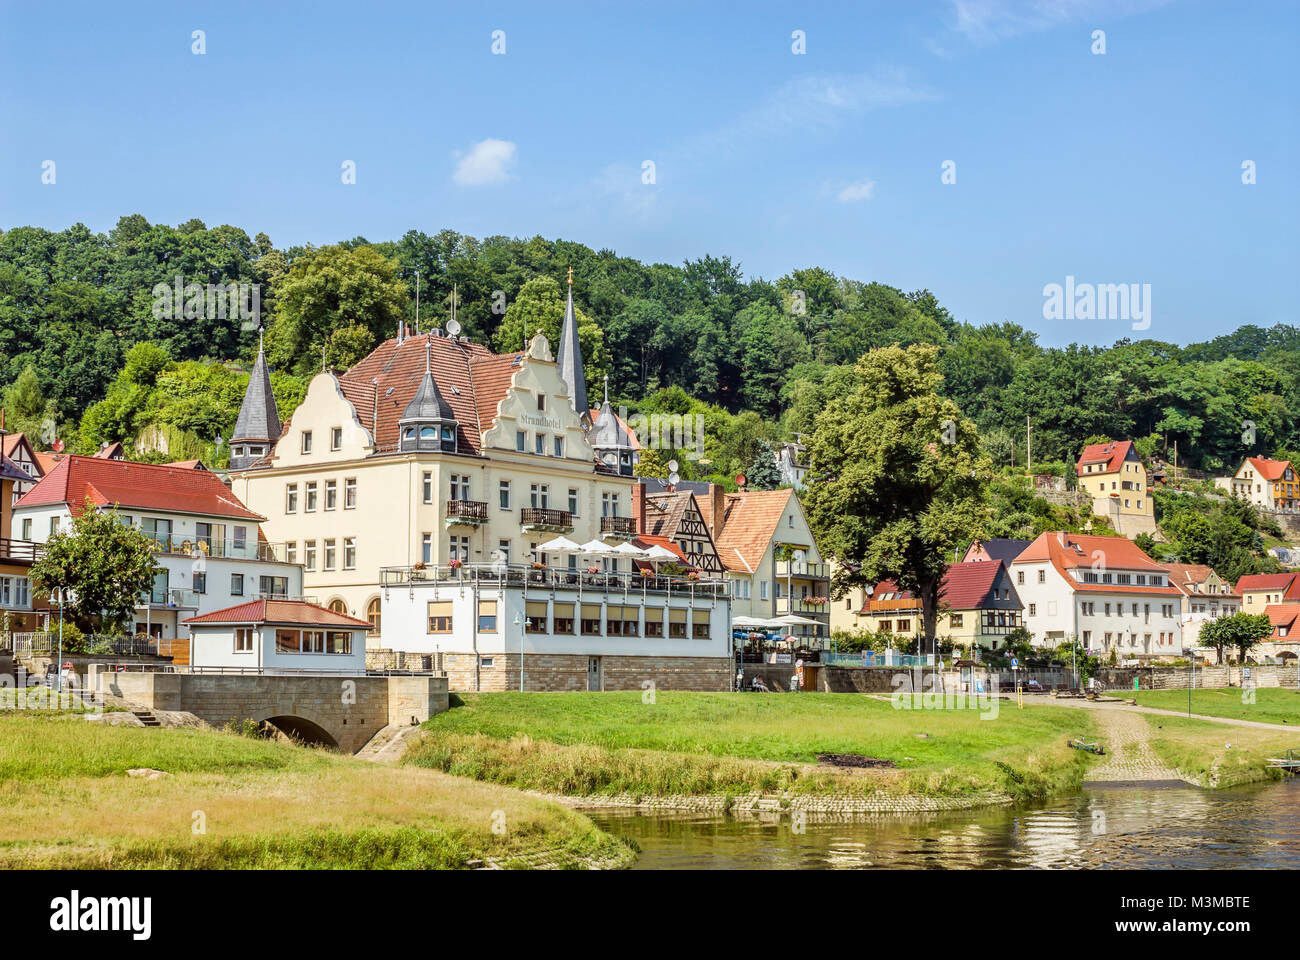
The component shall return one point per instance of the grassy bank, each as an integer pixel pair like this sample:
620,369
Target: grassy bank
66,801
1272,704
585,744
1217,754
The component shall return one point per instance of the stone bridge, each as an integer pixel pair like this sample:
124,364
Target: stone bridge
339,711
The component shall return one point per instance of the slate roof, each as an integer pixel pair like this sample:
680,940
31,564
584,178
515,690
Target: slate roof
610,432
289,613
427,404
258,418
999,548
568,358
136,485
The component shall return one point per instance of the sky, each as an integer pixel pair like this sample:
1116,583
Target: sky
1122,167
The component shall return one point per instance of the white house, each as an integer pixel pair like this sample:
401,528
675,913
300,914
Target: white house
1104,591
209,546
564,629
278,636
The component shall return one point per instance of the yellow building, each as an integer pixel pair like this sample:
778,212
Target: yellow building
1113,474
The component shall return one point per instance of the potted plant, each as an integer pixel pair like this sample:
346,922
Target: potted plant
454,564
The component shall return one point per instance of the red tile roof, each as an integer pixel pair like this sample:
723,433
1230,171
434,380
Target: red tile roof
967,585
1288,584
472,380
293,613
137,485
749,525
1187,576
1269,469
1111,453
1067,551
1283,615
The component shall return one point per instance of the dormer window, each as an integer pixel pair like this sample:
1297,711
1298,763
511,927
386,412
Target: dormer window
428,423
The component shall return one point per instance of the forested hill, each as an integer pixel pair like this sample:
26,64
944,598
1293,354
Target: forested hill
758,357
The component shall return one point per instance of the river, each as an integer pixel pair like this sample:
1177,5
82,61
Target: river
1132,827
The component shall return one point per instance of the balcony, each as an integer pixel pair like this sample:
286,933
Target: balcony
177,599
218,549
535,580
802,570
471,512
803,606
541,518
25,551
618,527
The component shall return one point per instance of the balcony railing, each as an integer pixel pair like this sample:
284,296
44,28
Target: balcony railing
802,571
177,598
551,578
218,548
803,606
542,517
618,526
467,511
20,550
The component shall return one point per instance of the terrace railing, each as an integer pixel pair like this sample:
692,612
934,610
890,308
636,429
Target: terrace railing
20,549
553,578
218,548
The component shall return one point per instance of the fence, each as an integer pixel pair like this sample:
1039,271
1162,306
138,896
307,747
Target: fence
47,645
872,658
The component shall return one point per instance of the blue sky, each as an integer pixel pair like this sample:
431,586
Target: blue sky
1115,168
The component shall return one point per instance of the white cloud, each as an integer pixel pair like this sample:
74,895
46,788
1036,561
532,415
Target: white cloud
486,162
857,191
988,21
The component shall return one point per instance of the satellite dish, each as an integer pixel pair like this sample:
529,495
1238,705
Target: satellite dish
672,466
453,327
674,478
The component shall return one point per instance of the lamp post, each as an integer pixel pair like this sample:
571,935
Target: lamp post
519,624
60,595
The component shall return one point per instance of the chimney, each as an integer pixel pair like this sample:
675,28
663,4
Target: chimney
1061,538
638,507
719,503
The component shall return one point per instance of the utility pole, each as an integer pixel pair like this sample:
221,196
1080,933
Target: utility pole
1029,447
417,303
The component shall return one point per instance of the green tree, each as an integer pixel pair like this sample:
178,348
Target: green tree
896,477
108,564
539,306
1241,632
27,410
762,473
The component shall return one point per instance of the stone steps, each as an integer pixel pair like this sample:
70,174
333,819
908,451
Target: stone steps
147,718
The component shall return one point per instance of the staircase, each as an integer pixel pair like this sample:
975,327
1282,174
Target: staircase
146,718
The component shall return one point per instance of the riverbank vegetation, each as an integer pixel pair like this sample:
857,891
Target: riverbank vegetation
608,744
1217,754
226,801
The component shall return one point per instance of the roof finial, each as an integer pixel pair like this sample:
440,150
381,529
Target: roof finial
428,347
607,388
570,276
323,345
259,338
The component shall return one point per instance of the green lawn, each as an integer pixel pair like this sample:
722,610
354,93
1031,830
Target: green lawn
694,743
1272,704
66,801
1217,754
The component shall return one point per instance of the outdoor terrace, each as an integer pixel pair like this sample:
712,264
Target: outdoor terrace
553,578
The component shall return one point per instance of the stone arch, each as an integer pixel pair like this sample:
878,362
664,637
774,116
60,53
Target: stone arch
299,725
337,604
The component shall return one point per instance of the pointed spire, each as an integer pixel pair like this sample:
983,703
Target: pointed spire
428,403
259,420
569,358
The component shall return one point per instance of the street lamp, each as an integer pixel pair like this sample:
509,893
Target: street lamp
518,624
60,595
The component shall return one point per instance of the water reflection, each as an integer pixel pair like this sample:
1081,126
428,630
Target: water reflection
1127,827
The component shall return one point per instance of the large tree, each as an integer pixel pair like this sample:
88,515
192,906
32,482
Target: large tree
1241,631
107,564
896,477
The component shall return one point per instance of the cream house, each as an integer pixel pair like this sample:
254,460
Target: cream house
435,454
1268,484
1114,475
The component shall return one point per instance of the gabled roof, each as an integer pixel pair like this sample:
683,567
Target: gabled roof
10,444
748,526
289,613
1287,583
646,540
1269,469
966,586
47,460
427,404
137,485
11,471
111,451
470,379
1111,454
1187,576
1284,615
996,548
1067,551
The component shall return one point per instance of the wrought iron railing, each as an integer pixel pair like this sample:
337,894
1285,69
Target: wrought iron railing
543,517
618,526
468,511
536,577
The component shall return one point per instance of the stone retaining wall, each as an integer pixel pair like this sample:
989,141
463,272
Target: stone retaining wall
1206,678
551,672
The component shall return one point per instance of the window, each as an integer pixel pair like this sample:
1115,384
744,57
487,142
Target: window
336,438
331,494
540,496
374,613
313,641
559,446
331,552
338,606
1020,578
539,444
535,616
591,619
700,623
339,641
349,553
487,616
309,554
291,498
676,622
520,440
562,618
541,402
1033,609
428,487
904,626
291,552
27,529
349,493
458,549
762,589
426,548
54,525
243,640
306,442
236,584
1042,576
503,494
440,616
288,641
459,486
955,620
200,583
310,505
573,501
503,547
654,621
609,504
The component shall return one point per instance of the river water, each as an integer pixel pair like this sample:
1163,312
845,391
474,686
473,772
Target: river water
1132,827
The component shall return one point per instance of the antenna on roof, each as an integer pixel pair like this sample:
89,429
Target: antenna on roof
417,303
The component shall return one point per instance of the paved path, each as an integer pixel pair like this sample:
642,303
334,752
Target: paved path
1128,756
1160,711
